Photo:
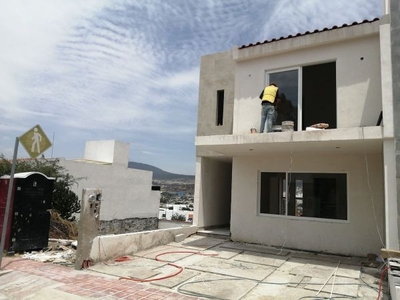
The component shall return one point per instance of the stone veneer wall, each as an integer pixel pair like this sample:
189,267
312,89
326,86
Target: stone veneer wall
128,225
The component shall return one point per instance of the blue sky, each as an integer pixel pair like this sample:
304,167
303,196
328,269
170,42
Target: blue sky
129,70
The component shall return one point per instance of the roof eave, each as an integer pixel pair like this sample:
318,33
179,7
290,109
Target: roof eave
306,40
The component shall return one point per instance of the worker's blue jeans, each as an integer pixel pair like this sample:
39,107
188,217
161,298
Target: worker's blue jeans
268,116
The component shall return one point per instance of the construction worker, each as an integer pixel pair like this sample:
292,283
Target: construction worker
269,97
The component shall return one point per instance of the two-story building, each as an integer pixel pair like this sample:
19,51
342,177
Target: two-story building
330,190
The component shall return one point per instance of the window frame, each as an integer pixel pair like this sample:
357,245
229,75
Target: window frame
285,189
299,70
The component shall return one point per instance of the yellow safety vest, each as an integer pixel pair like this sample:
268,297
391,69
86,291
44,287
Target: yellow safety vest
270,93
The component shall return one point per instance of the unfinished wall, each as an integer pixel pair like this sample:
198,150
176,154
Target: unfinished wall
358,79
356,236
128,225
126,192
217,73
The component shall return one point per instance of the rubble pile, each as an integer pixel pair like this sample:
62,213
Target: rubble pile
59,251
62,244
62,229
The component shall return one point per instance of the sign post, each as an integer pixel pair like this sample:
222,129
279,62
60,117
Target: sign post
35,143
8,204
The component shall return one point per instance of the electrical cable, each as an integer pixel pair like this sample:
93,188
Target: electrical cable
334,277
326,298
287,196
330,276
190,293
369,187
367,284
373,210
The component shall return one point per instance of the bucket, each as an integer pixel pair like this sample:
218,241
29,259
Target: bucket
277,128
287,125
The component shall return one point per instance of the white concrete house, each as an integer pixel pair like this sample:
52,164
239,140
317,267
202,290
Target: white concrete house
331,190
127,193
166,213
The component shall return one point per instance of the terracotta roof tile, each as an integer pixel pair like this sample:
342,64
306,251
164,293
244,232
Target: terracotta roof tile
308,32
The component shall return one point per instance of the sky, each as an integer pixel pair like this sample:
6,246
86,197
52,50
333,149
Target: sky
128,70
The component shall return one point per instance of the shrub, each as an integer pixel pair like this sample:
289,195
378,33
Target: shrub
64,201
178,217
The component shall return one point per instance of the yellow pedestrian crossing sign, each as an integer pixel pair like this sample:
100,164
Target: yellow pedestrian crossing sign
35,141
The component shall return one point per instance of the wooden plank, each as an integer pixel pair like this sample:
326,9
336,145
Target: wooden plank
389,253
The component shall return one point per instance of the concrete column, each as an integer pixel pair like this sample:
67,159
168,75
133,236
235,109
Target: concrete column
89,223
395,46
391,229
198,219
386,78
385,7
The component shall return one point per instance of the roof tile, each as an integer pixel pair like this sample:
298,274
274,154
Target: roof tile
308,32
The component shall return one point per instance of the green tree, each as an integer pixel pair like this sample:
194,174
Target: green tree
64,200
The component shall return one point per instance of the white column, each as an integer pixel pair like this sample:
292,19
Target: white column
389,163
198,218
385,7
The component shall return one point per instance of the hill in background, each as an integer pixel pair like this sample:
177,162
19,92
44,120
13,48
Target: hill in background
159,174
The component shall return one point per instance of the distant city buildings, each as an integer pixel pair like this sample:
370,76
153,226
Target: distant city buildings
176,205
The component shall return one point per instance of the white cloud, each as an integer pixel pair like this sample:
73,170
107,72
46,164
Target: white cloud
124,69
29,31
289,17
184,78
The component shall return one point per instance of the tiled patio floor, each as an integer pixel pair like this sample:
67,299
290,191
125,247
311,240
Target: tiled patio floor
212,268
26,277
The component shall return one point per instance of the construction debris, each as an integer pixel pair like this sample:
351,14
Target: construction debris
62,244
58,252
62,229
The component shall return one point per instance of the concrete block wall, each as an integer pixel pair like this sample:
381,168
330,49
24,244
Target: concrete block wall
128,225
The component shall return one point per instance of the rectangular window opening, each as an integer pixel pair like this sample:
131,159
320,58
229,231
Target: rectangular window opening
313,195
220,107
307,95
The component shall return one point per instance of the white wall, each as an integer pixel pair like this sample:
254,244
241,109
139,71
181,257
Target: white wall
126,192
109,151
359,97
106,247
357,236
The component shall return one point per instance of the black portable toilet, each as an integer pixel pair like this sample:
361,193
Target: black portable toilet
29,218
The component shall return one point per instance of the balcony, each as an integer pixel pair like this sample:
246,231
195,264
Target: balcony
335,141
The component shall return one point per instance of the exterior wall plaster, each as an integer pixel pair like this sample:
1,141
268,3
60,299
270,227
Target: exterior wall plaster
126,192
356,236
358,80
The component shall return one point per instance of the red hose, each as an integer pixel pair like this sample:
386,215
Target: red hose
381,281
180,269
